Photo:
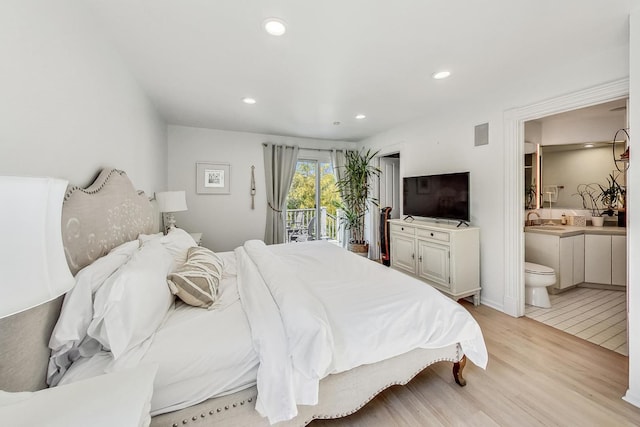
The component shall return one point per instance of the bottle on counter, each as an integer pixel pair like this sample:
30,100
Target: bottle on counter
563,220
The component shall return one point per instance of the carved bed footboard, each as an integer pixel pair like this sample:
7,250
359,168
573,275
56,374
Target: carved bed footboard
340,394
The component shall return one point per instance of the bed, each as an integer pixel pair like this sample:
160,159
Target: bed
322,383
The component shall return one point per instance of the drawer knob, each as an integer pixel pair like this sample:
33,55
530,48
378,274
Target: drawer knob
431,234
402,228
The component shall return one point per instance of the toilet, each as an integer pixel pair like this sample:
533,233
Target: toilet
536,279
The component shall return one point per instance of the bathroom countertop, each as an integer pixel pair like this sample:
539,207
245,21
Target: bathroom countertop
570,230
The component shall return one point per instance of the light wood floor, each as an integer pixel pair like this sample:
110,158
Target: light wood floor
537,376
596,315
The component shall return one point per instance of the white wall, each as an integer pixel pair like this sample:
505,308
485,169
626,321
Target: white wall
68,104
533,132
633,217
445,143
570,130
226,220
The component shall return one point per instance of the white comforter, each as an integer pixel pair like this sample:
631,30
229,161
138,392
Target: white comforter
315,309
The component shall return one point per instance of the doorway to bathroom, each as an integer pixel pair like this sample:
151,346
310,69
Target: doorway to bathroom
572,165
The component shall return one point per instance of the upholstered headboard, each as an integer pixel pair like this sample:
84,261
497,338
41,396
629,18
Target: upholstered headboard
104,215
94,220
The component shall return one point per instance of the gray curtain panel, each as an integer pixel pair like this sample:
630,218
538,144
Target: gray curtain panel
279,168
338,160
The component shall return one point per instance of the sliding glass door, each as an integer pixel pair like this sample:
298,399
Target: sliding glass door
312,202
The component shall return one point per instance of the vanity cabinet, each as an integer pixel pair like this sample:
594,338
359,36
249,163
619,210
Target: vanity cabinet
444,256
619,260
606,259
566,255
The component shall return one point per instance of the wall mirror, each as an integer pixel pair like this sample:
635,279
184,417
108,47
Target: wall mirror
572,148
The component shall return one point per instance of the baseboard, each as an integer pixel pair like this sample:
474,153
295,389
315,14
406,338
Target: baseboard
632,398
492,304
510,306
600,286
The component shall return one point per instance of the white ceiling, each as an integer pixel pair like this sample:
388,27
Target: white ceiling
196,59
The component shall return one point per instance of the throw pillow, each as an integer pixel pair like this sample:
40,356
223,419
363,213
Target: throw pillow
196,281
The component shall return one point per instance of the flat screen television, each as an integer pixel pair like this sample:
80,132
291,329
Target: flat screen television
443,196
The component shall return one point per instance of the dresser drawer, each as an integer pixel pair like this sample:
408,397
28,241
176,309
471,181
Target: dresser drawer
431,234
404,229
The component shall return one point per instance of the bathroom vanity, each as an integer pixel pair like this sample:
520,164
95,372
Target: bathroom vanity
588,254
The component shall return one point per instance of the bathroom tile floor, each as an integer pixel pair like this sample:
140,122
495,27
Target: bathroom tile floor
596,315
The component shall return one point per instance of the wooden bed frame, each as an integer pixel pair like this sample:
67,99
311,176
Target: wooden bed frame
111,212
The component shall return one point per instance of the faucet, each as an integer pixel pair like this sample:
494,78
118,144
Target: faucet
530,222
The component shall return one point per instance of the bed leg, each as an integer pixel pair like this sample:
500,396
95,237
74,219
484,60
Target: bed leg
458,367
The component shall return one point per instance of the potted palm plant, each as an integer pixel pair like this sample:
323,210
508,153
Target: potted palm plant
355,188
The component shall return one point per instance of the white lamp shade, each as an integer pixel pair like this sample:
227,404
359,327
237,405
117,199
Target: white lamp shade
171,201
34,267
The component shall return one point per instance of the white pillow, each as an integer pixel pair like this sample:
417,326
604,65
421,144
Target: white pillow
143,238
177,242
118,399
132,303
68,337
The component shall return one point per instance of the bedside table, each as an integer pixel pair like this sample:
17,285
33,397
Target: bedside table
197,237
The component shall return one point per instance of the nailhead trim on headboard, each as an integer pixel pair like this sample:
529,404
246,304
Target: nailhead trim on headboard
73,188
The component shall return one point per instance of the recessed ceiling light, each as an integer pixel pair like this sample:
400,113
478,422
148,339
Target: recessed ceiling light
360,116
336,123
248,100
588,145
441,75
274,26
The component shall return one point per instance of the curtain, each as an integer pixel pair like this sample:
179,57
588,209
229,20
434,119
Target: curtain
338,160
279,168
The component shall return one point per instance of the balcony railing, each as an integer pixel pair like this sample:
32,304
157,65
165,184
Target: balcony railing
302,225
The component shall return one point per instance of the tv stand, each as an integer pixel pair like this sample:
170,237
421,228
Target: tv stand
443,255
466,224
406,218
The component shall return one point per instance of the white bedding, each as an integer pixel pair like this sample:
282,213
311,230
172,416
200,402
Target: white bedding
200,353
339,311
292,315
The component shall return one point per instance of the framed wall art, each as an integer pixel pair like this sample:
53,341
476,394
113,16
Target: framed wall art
213,178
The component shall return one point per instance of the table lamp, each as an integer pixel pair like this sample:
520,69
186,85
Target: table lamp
168,203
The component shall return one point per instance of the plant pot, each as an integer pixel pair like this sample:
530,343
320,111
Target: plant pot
597,221
622,217
361,249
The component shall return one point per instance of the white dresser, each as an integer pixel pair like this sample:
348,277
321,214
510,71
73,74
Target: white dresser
445,256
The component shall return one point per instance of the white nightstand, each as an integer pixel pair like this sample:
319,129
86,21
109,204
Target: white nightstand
197,237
